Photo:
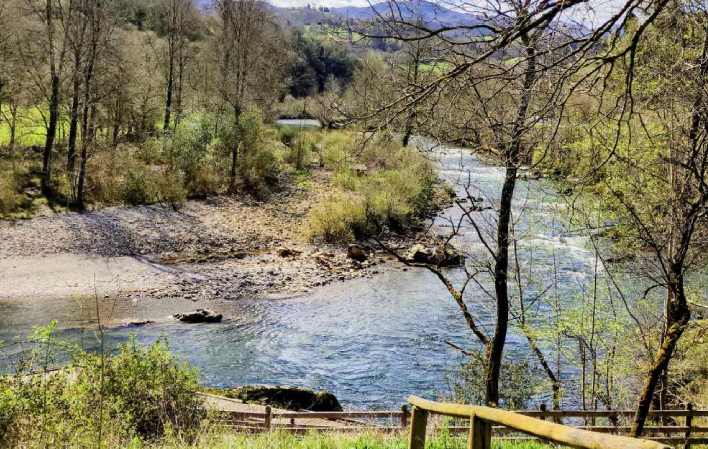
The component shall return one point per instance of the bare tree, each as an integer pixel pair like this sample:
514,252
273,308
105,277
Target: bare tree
175,17
53,20
250,58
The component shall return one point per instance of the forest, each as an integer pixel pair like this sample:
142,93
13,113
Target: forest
509,196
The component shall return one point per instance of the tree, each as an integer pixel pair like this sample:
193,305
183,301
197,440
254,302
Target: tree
175,18
650,166
250,56
491,89
100,28
53,21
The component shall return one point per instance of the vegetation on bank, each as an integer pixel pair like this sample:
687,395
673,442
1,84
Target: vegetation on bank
331,440
97,400
378,184
141,397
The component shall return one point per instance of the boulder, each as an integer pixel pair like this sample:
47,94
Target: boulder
199,316
288,252
438,255
290,398
420,254
357,252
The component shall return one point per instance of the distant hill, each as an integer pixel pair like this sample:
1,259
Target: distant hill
431,14
410,10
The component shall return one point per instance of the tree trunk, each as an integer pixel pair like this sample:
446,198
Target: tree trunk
168,99
180,84
51,135
677,316
495,350
234,150
73,126
13,129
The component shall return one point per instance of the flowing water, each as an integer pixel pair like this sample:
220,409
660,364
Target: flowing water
370,341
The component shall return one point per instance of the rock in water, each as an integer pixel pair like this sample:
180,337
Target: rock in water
199,316
356,252
439,256
290,398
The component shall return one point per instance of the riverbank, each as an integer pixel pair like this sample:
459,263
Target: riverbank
223,247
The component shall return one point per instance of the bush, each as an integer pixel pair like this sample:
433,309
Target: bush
337,148
517,384
141,392
393,187
153,389
259,162
10,199
301,149
341,218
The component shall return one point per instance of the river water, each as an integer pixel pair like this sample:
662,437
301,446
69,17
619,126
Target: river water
369,341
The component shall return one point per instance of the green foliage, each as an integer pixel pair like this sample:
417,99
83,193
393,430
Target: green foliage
147,185
517,383
302,147
10,199
98,400
316,63
382,185
259,162
340,218
153,389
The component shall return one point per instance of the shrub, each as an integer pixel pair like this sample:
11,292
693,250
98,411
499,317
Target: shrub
341,218
301,149
259,164
337,148
517,384
155,391
287,134
395,187
10,199
100,401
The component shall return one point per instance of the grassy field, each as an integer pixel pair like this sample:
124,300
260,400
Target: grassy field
317,440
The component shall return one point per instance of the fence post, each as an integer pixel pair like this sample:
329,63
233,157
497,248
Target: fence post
404,416
419,423
480,434
542,408
689,421
268,417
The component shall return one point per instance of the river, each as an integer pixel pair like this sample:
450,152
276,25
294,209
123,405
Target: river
369,341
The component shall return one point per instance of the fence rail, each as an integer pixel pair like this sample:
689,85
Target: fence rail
483,418
674,426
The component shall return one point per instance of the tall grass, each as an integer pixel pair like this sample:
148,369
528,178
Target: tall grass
328,440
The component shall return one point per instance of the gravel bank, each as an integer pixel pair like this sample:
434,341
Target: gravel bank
223,247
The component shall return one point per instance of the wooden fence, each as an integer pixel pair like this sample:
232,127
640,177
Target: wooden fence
482,419
665,426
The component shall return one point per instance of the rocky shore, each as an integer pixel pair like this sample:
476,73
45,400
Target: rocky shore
222,247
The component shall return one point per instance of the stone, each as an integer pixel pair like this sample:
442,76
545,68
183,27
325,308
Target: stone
139,323
438,255
199,316
356,252
289,398
288,252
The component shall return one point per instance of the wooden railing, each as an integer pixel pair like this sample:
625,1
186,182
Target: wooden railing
669,426
483,418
